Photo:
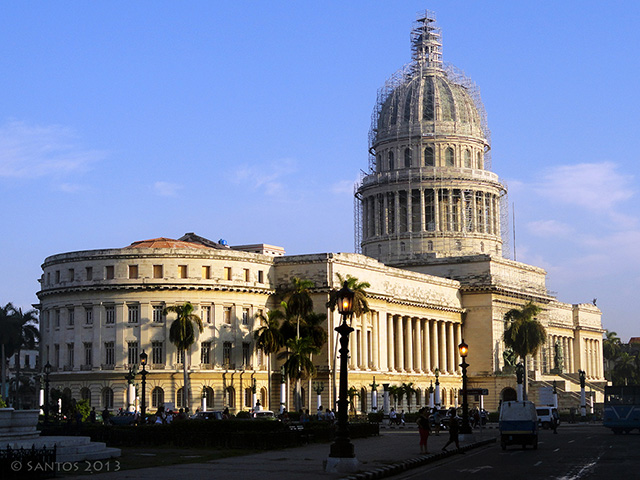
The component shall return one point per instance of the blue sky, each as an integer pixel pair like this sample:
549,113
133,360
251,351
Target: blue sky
248,121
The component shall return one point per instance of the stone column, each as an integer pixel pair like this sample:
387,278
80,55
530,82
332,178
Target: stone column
408,344
364,348
375,347
418,342
458,340
451,361
426,365
442,341
391,364
435,350
399,346
396,198
353,341
436,209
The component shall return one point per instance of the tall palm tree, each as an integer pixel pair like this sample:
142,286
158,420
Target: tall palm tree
409,391
299,365
524,334
611,349
9,339
182,333
268,337
312,328
28,336
624,370
298,298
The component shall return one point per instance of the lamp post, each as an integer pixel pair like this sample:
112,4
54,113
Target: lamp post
143,402
47,371
342,454
318,387
463,348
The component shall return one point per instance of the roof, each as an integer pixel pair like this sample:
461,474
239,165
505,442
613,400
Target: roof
163,242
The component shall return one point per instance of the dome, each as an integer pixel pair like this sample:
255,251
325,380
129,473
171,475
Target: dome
163,242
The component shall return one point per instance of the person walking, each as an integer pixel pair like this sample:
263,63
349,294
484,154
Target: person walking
392,416
423,429
454,429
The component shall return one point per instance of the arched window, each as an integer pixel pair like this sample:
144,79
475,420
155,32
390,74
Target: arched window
448,157
430,246
407,158
263,398
379,249
458,245
85,394
479,162
443,397
231,397
208,391
467,159
391,163
157,397
482,246
403,247
363,400
180,403
418,397
107,398
378,163
429,160
248,397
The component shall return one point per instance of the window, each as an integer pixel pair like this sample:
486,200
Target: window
70,359
407,157
88,315
248,397
56,354
88,354
246,275
109,272
205,352
180,403
157,353
57,318
231,397
109,353
391,163
430,246
260,276
206,314
246,353
158,271
226,315
206,271
71,317
158,314
89,273
180,356
479,162
107,398
110,315
27,363
48,278
428,157
467,159
57,276
226,353
182,271
227,273
132,353
448,157
157,397
85,394
72,274
207,392
245,316
133,271
45,319
134,313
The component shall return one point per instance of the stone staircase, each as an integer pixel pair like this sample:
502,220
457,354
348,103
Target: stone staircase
568,388
68,449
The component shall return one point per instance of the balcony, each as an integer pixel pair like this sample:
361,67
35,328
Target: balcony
229,366
158,366
107,366
206,366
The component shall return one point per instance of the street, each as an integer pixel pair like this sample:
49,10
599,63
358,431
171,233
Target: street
576,452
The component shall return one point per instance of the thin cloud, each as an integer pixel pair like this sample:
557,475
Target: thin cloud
38,151
549,228
343,187
268,177
166,189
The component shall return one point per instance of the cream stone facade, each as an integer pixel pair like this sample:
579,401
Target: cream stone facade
429,223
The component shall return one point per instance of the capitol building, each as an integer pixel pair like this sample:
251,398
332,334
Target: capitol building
431,239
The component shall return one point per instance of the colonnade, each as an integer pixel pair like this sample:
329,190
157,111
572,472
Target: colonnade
431,210
592,358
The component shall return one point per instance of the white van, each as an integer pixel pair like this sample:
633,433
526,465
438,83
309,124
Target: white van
518,424
546,416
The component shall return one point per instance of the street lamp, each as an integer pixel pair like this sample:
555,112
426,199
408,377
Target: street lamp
47,371
463,348
342,448
143,372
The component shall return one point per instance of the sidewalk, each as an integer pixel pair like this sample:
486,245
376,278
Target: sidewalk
393,446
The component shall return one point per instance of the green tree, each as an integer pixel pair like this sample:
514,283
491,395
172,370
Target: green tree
298,365
624,370
409,391
182,333
298,300
611,350
524,334
27,338
394,392
268,337
9,340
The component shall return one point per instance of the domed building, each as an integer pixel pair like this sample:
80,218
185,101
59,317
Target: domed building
429,214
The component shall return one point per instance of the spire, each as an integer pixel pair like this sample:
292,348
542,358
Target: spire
426,41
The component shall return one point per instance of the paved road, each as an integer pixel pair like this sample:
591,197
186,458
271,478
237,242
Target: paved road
576,452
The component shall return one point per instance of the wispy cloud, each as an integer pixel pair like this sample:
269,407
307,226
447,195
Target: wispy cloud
166,189
549,228
268,177
343,187
37,151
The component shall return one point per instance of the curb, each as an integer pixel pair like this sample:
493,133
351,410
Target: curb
396,468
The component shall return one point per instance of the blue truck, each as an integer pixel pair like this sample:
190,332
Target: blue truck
622,408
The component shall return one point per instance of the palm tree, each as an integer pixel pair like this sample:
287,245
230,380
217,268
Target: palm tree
299,365
624,370
524,334
312,328
408,391
394,391
611,349
9,339
299,302
183,334
268,337
28,336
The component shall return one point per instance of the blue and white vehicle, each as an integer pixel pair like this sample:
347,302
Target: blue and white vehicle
518,424
622,408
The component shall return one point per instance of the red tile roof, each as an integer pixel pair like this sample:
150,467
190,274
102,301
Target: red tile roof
163,242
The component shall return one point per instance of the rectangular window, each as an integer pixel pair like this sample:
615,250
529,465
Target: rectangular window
158,314
226,353
206,272
226,317
260,276
157,353
132,353
71,318
70,355
182,271
247,276
45,319
56,354
180,356
206,314
57,324
245,316
88,315
26,361
109,353
88,354
109,272
110,315
205,351
57,276
89,273
227,273
158,271
246,354
133,271
48,278
72,274
134,313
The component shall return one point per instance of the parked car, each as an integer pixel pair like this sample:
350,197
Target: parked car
546,416
264,415
208,415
